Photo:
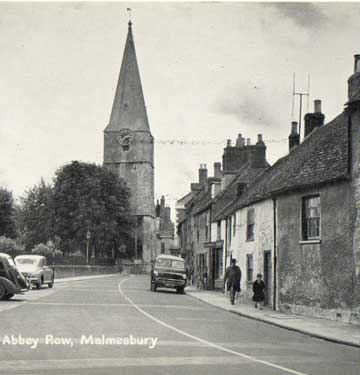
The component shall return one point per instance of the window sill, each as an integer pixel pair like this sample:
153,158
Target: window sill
309,242
250,240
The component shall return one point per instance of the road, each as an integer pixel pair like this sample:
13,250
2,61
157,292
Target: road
116,325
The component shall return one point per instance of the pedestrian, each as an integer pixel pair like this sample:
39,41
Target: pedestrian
259,291
205,278
232,280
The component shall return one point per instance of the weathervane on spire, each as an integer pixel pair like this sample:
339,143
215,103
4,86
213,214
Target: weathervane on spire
129,11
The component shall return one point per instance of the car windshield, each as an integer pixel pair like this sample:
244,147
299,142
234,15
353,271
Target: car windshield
170,263
25,261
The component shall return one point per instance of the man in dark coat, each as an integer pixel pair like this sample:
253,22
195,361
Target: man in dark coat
232,279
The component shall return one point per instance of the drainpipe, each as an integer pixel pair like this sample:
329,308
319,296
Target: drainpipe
275,256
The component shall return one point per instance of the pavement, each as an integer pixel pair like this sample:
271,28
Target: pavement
116,325
334,331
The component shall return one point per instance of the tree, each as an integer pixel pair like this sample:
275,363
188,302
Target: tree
7,212
88,197
35,216
10,247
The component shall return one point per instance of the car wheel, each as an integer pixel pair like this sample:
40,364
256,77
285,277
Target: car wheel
180,290
50,285
40,283
2,292
8,296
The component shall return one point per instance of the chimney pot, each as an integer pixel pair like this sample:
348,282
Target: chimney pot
217,170
203,174
356,63
294,127
294,137
317,106
238,140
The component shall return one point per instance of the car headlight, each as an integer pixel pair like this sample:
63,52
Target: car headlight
184,276
156,273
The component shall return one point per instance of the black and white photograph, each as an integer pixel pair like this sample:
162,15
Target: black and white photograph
179,188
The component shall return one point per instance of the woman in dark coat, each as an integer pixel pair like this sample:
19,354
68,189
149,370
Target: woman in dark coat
259,291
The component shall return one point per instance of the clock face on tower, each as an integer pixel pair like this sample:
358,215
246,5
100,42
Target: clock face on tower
124,138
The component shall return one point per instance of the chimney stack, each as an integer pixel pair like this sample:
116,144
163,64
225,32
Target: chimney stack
248,142
217,170
203,174
294,137
354,82
162,202
258,153
228,143
314,120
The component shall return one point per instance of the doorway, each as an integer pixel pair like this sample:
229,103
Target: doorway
267,276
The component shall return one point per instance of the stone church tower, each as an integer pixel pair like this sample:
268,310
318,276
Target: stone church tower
129,150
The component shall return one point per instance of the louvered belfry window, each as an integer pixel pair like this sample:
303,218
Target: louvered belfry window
311,218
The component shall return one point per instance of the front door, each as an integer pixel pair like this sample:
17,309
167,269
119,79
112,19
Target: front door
267,276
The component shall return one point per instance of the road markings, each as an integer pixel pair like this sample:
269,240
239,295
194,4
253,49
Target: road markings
75,364
179,307
208,343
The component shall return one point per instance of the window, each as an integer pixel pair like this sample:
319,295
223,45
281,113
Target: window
126,147
162,247
250,225
249,268
311,218
198,235
219,230
228,233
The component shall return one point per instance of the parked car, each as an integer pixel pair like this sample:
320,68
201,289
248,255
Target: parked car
168,272
11,280
34,268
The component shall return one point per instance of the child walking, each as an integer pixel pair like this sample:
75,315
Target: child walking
259,291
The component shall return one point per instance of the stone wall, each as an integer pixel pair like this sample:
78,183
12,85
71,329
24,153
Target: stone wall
263,241
316,274
72,271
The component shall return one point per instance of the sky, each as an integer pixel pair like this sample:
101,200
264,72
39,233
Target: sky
209,72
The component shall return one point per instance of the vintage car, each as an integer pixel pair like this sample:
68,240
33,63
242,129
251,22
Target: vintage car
11,280
168,272
35,270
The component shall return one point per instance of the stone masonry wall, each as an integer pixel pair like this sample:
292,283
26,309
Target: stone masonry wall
316,275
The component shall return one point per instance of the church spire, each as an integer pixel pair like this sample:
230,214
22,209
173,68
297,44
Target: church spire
129,111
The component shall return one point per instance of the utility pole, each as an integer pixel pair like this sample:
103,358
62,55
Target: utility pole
87,246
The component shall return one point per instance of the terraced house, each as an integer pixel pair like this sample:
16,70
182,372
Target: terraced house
298,221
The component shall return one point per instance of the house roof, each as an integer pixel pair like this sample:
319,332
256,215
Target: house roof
228,196
185,199
322,157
